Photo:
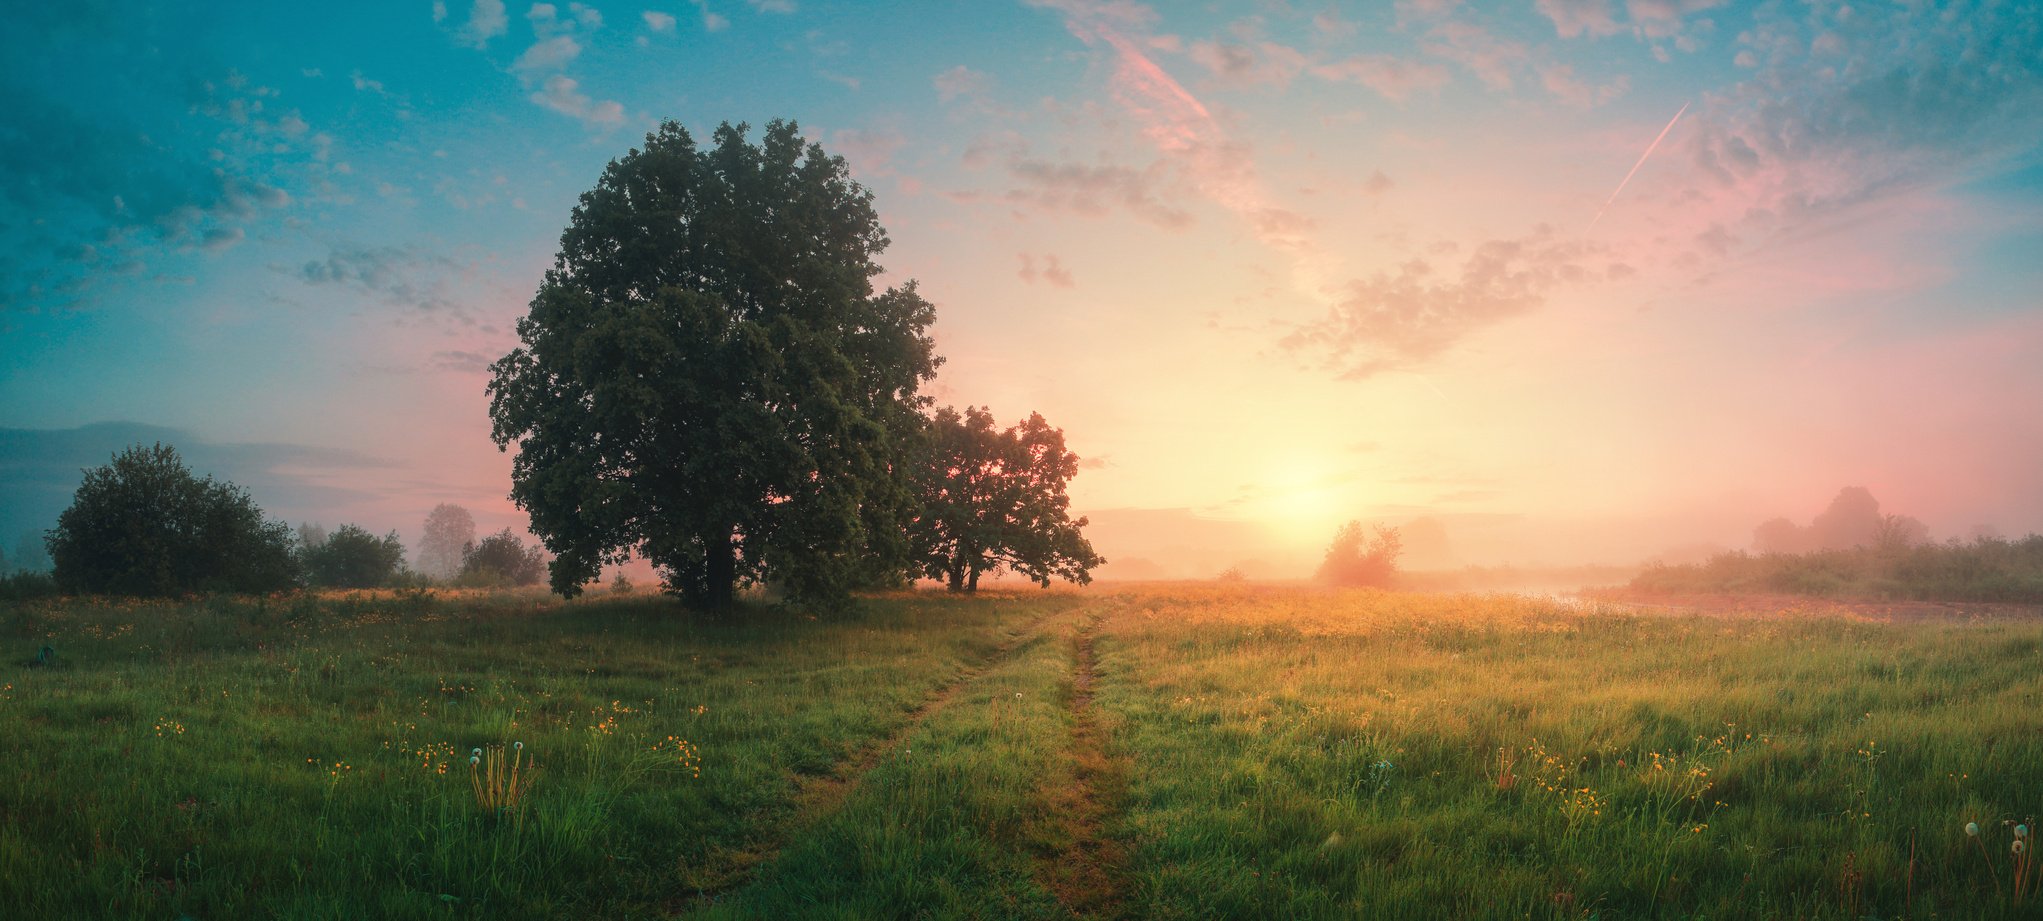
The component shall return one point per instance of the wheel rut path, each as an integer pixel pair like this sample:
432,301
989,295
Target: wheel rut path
1088,875
817,796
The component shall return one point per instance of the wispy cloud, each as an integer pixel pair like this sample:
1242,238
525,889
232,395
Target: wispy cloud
486,20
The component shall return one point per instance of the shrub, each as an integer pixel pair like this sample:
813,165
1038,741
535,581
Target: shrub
354,558
502,559
144,525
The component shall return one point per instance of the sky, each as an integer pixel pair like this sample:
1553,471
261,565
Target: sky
1577,280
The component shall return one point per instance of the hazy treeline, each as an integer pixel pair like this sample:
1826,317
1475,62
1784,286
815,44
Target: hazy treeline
1984,569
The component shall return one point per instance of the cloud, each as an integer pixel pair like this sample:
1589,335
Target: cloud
772,6
1804,141
563,95
1393,78
712,22
1573,18
1398,318
486,20
1240,65
411,279
658,21
461,362
548,54
106,191
1095,191
869,152
961,82
1053,271
1560,80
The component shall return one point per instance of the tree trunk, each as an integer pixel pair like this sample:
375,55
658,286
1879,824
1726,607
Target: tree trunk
720,569
972,584
956,568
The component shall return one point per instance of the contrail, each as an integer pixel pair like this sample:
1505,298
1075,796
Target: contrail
1635,167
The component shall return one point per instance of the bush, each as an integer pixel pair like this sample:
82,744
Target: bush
354,558
502,559
144,525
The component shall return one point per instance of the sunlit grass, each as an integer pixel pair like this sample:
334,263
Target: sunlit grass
1306,755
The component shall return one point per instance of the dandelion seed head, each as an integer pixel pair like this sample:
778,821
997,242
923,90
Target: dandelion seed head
1972,829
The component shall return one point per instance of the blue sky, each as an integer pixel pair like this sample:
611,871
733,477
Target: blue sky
1275,264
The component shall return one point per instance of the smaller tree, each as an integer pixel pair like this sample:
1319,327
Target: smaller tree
354,558
1360,558
989,498
144,525
503,559
449,532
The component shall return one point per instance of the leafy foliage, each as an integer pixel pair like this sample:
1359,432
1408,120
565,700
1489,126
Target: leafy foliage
352,557
448,532
1360,558
987,498
502,559
709,380
144,525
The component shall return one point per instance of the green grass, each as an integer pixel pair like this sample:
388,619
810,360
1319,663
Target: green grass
1268,753
251,758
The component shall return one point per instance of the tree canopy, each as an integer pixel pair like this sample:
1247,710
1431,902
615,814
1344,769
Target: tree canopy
708,378
145,525
987,498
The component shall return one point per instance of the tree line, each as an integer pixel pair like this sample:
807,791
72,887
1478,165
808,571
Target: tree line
708,378
144,524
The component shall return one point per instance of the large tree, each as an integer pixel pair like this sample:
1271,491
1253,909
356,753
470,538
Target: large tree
448,532
708,378
145,525
987,498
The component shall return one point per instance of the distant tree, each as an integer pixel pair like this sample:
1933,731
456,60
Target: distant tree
1852,520
1232,574
144,525
1360,558
708,379
1779,535
503,559
1900,532
31,553
987,498
449,530
354,558
311,536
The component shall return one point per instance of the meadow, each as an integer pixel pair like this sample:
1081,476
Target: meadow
1154,751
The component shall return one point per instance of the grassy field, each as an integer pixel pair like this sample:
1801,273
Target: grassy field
1169,751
